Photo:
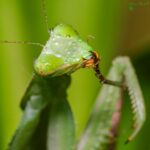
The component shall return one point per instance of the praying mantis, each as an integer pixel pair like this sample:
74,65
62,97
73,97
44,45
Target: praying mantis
48,121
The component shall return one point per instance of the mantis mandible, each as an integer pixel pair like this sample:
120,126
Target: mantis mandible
45,100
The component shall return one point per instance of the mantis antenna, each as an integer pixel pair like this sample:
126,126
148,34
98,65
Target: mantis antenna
45,15
22,42
28,42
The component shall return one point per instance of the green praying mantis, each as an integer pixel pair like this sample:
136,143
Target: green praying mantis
48,122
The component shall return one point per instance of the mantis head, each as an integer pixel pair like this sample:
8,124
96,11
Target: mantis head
63,53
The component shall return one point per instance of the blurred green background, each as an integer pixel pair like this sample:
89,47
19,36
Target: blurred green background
117,31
